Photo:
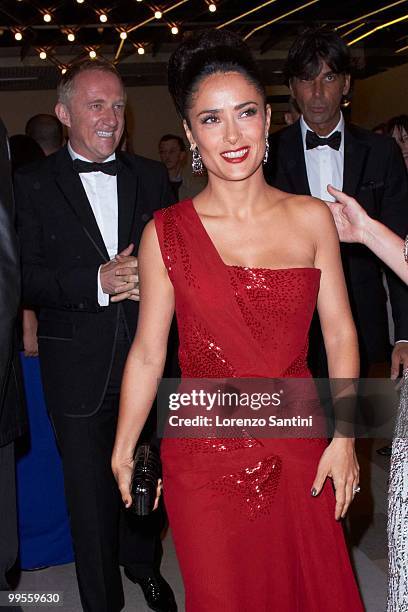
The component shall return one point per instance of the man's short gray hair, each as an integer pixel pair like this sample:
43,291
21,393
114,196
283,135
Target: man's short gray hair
66,85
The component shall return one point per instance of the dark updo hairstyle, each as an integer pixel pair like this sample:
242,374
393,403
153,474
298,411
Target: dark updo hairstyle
206,53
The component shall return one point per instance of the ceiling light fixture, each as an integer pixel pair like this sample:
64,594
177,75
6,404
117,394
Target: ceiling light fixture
123,35
380,10
377,29
174,30
212,7
18,36
279,18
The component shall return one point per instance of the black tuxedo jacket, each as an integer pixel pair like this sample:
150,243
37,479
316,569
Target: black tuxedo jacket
62,249
375,174
12,413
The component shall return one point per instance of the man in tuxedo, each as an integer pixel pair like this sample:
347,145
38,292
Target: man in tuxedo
81,212
12,415
319,149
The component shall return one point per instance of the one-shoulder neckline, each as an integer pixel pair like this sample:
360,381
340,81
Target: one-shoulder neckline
206,235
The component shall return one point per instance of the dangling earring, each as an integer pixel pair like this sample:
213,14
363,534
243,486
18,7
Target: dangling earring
265,159
196,162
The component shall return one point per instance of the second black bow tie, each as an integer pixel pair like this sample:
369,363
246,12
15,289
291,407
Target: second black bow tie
313,140
109,167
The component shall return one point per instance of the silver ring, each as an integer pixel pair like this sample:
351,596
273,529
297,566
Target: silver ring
357,490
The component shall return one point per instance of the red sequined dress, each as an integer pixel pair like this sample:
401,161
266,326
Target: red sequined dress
248,534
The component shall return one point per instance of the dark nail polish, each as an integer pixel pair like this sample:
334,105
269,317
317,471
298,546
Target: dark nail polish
313,492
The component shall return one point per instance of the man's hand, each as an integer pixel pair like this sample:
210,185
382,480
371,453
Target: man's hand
30,326
399,357
119,277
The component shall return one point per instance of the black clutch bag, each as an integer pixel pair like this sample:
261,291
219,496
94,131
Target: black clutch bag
146,472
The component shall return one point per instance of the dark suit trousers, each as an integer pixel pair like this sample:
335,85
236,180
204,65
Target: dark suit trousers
8,513
104,534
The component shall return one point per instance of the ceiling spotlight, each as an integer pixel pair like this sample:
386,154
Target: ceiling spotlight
47,17
103,18
63,70
18,36
123,35
71,37
174,30
92,54
43,55
80,1
141,50
212,7
158,14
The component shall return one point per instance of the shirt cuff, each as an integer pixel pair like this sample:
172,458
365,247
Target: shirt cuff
103,298
397,341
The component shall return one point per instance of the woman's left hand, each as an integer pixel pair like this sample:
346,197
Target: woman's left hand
339,462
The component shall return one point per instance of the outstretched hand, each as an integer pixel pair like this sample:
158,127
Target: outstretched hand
350,218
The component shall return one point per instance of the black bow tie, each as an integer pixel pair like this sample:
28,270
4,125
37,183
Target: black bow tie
313,140
109,167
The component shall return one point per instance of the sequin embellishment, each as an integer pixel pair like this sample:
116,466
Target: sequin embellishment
200,354
252,489
217,445
174,245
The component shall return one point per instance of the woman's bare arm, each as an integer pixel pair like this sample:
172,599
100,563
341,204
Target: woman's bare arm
338,461
145,362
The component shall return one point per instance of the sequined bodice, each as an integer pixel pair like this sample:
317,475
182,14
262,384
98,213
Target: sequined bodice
234,321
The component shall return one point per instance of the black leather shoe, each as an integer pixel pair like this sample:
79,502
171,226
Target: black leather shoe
157,592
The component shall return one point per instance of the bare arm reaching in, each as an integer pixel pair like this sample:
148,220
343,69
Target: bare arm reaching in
354,225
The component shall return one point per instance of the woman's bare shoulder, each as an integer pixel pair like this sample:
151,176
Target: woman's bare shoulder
306,208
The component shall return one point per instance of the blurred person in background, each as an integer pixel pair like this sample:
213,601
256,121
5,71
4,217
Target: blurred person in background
173,154
397,127
47,131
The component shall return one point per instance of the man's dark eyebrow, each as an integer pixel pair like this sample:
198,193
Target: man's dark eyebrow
218,110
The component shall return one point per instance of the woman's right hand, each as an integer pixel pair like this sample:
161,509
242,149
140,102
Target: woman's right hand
122,471
350,218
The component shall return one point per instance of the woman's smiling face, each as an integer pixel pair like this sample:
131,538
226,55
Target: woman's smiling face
228,123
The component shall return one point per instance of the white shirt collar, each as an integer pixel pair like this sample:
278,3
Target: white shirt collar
76,155
339,128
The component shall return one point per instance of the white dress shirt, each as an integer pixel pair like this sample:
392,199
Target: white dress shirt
101,190
324,165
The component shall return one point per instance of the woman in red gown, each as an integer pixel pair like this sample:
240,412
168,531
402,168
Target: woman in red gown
255,520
